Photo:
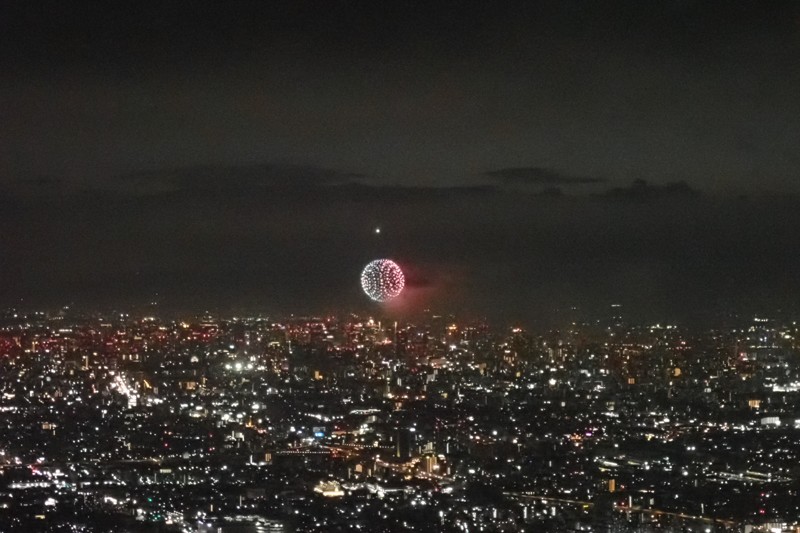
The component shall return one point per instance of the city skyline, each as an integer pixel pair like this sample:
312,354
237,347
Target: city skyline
247,423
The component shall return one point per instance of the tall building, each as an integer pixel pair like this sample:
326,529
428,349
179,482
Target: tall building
404,442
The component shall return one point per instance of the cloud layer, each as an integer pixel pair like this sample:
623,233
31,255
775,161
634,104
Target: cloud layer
539,176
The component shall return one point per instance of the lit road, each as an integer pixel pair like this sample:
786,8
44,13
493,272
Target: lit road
625,508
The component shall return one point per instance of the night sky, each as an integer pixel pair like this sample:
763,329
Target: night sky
519,158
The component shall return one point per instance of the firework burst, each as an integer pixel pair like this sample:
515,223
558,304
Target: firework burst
382,280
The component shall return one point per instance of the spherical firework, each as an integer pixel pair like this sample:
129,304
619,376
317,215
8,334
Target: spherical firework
382,280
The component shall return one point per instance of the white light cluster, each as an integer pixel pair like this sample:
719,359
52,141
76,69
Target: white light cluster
382,280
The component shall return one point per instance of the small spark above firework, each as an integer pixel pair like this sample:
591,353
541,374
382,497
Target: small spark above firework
382,280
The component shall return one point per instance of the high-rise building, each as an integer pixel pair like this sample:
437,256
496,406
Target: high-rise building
404,443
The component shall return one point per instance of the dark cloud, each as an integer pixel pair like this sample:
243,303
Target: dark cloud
282,183
539,176
305,183
641,190
235,179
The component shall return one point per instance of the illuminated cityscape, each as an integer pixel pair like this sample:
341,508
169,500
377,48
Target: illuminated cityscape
251,423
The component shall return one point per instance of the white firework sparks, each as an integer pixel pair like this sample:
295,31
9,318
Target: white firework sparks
382,280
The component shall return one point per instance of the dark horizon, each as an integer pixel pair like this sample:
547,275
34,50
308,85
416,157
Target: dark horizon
662,252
